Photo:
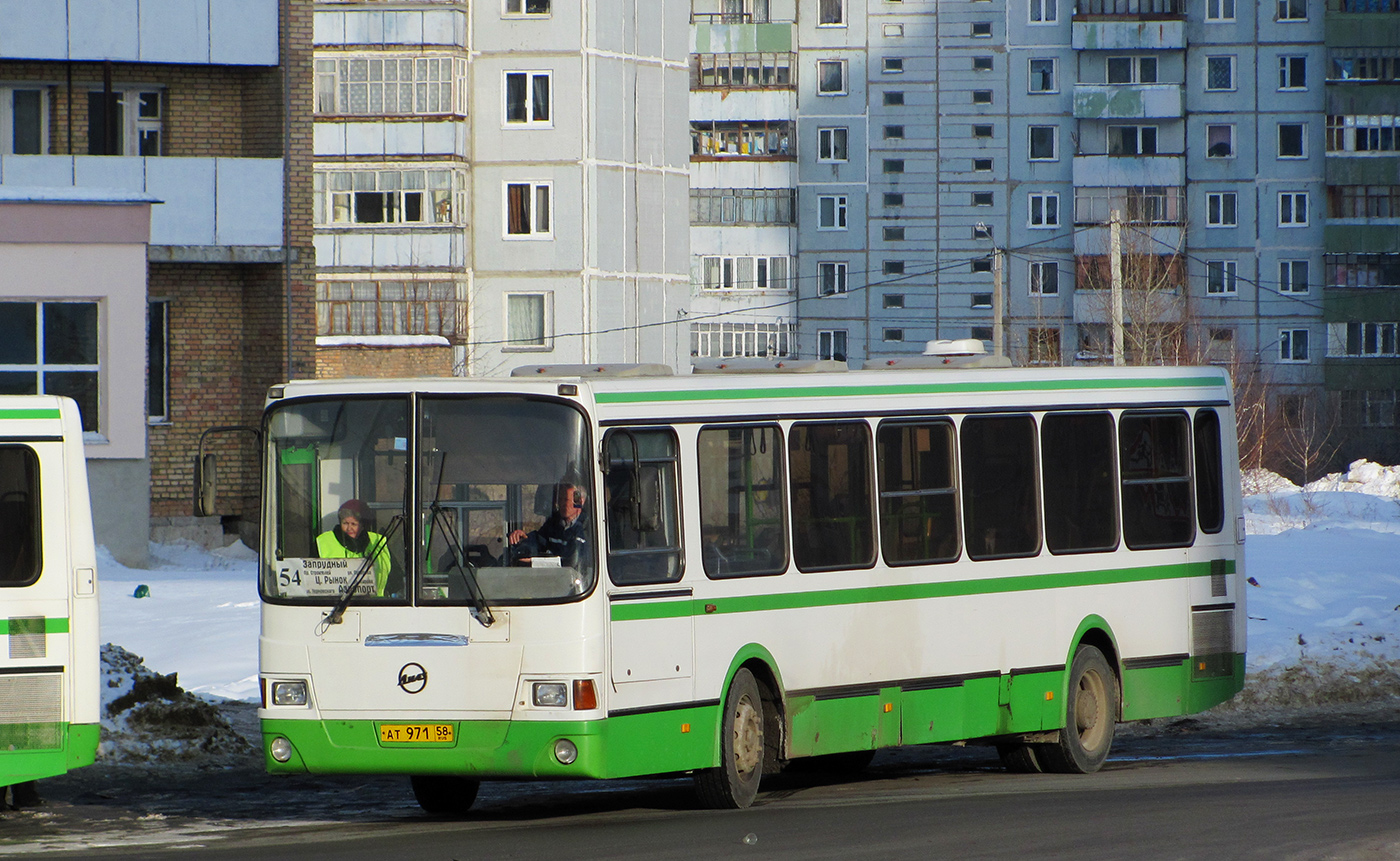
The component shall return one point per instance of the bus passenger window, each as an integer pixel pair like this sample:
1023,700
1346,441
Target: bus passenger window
1210,473
19,516
741,501
1153,456
832,519
644,541
1079,481
999,492
918,498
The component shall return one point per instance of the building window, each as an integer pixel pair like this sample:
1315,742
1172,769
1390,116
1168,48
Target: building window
1131,70
1044,143
1293,209
831,77
981,97
981,231
1292,73
893,334
1043,76
730,340
1044,11
1293,276
831,344
894,132
742,71
1220,277
419,196
527,7
1363,201
1292,10
1369,408
893,198
529,209
157,361
129,123
893,31
831,13
1221,209
831,279
982,131
743,206
1220,10
982,264
51,348
1363,270
1045,278
1363,64
527,98
893,267
1132,140
893,99
893,65
1044,209
981,64
727,139
1361,339
982,198
1292,140
893,300
1220,348
527,323
390,84
24,122
831,212
1293,345
892,234
1137,204
1220,73
981,300
1044,346
831,145
1380,133
981,164
392,307
745,273
1220,141
893,165
982,29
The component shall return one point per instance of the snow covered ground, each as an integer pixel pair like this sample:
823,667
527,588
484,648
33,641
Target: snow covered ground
1324,615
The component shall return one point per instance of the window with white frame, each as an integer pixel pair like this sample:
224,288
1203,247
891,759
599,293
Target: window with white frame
831,77
831,13
1378,133
892,31
1292,140
158,361
1292,73
127,123
745,273
831,144
1220,73
1363,339
1221,209
831,212
1293,209
730,340
1132,140
1292,10
52,348
1220,10
418,196
527,7
1044,11
527,99
1293,345
743,206
1220,140
24,121
1044,143
1131,70
1221,276
1042,76
831,278
1044,209
1293,276
1045,278
831,344
529,210
527,321
390,85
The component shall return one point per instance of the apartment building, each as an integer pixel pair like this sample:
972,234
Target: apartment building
155,262
498,184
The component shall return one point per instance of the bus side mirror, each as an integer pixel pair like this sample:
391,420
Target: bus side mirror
206,484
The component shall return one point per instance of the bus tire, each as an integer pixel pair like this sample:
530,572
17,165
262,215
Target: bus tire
1091,706
1019,758
733,784
444,795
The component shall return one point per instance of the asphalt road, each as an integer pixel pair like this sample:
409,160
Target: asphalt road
1322,784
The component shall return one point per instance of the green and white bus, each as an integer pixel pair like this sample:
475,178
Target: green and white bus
49,670
766,567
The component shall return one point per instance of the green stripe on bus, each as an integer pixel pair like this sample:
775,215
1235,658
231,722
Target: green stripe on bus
845,391
46,413
632,611
36,625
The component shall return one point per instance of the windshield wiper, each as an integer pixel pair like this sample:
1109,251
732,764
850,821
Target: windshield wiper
335,616
459,559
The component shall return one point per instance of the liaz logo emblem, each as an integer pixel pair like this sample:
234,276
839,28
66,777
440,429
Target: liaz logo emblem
413,678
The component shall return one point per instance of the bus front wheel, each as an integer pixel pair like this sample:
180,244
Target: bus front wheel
733,784
1090,716
444,795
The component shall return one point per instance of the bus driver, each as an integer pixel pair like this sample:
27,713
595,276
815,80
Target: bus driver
564,534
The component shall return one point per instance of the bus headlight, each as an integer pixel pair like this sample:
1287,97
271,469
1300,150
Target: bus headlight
551,694
289,694
281,749
565,751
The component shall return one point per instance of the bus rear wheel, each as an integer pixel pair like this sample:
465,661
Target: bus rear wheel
444,795
1090,717
733,784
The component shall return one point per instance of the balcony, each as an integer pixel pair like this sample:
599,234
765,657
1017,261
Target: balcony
744,71
1140,9
1159,169
759,140
1127,101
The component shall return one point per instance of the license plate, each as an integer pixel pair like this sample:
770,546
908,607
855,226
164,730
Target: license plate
417,733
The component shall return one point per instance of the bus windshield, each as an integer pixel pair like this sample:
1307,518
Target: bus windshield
501,513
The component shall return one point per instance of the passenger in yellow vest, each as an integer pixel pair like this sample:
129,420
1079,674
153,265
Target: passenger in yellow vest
351,539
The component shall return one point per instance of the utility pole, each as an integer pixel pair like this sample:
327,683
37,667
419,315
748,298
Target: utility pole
1115,268
998,305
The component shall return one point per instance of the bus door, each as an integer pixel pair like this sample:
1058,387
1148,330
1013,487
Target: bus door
651,628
